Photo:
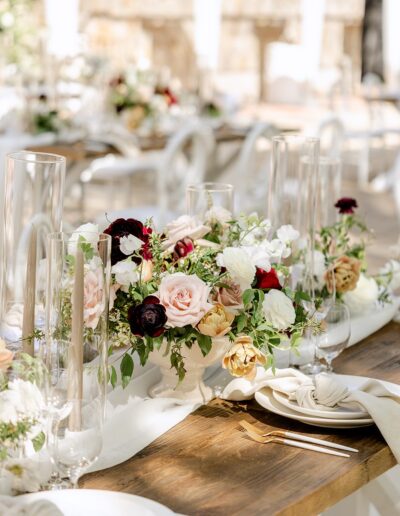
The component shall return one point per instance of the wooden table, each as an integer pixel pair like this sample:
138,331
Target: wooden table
206,466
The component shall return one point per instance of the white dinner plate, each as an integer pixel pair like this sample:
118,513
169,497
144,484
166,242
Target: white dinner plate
266,399
93,502
339,413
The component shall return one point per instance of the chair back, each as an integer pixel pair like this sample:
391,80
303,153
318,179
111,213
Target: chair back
251,173
331,133
184,161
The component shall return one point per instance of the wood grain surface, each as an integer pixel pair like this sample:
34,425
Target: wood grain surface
206,466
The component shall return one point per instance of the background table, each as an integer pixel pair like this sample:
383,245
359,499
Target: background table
206,466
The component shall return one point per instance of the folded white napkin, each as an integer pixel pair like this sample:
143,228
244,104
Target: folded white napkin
381,401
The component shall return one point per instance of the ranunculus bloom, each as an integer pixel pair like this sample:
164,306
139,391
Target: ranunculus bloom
278,310
93,294
239,266
217,322
148,318
183,247
343,274
230,296
243,357
6,356
266,280
121,228
346,205
185,299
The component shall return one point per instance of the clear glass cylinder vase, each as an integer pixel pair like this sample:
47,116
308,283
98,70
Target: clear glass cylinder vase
32,193
78,362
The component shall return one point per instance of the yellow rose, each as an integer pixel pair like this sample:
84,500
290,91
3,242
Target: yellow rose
343,274
243,357
217,322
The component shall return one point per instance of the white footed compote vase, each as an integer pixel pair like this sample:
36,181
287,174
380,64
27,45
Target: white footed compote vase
192,388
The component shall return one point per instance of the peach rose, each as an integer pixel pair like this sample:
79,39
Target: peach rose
184,226
217,322
243,357
230,296
6,356
184,298
93,294
343,274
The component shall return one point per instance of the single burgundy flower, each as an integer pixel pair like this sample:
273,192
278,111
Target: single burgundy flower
122,228
346,205
148,318
183,247
266,280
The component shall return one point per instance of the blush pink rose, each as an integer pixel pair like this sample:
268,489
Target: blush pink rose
184,226
185,299
93,296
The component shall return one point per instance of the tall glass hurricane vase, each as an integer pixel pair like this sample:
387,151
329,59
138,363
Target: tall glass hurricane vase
77,360
208,200
32,192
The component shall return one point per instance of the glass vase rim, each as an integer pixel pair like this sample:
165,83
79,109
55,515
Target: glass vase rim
296,137
210,186
23,156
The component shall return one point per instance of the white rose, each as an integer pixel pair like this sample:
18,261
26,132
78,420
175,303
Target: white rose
363,297
278,310
90,232
218,214
239,265
287,233
126,273
392,267
129,244
184,226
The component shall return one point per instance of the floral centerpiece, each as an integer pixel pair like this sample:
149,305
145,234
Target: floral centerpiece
217,284
340,262
136,99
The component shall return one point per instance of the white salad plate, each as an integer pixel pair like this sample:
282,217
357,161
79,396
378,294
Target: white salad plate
93,502
330,413
266,399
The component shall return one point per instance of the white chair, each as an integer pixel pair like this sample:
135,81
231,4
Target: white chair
331,133
183,161
251,173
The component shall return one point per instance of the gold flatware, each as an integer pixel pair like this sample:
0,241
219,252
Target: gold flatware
281,437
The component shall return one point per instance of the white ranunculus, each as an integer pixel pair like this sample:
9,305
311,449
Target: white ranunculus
287,233
239,265
363,297
278,310
129,244
90,232
126,273
217,214
259,256
392,267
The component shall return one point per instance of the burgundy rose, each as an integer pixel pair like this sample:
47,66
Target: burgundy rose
148,318
346,205
266,280
122,228
183,247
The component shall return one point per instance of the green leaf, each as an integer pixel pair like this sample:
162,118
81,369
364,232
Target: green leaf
205,344
126,368
248,296
39,441
241,322
113,377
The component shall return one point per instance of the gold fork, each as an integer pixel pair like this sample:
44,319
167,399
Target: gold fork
298,437
289,442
